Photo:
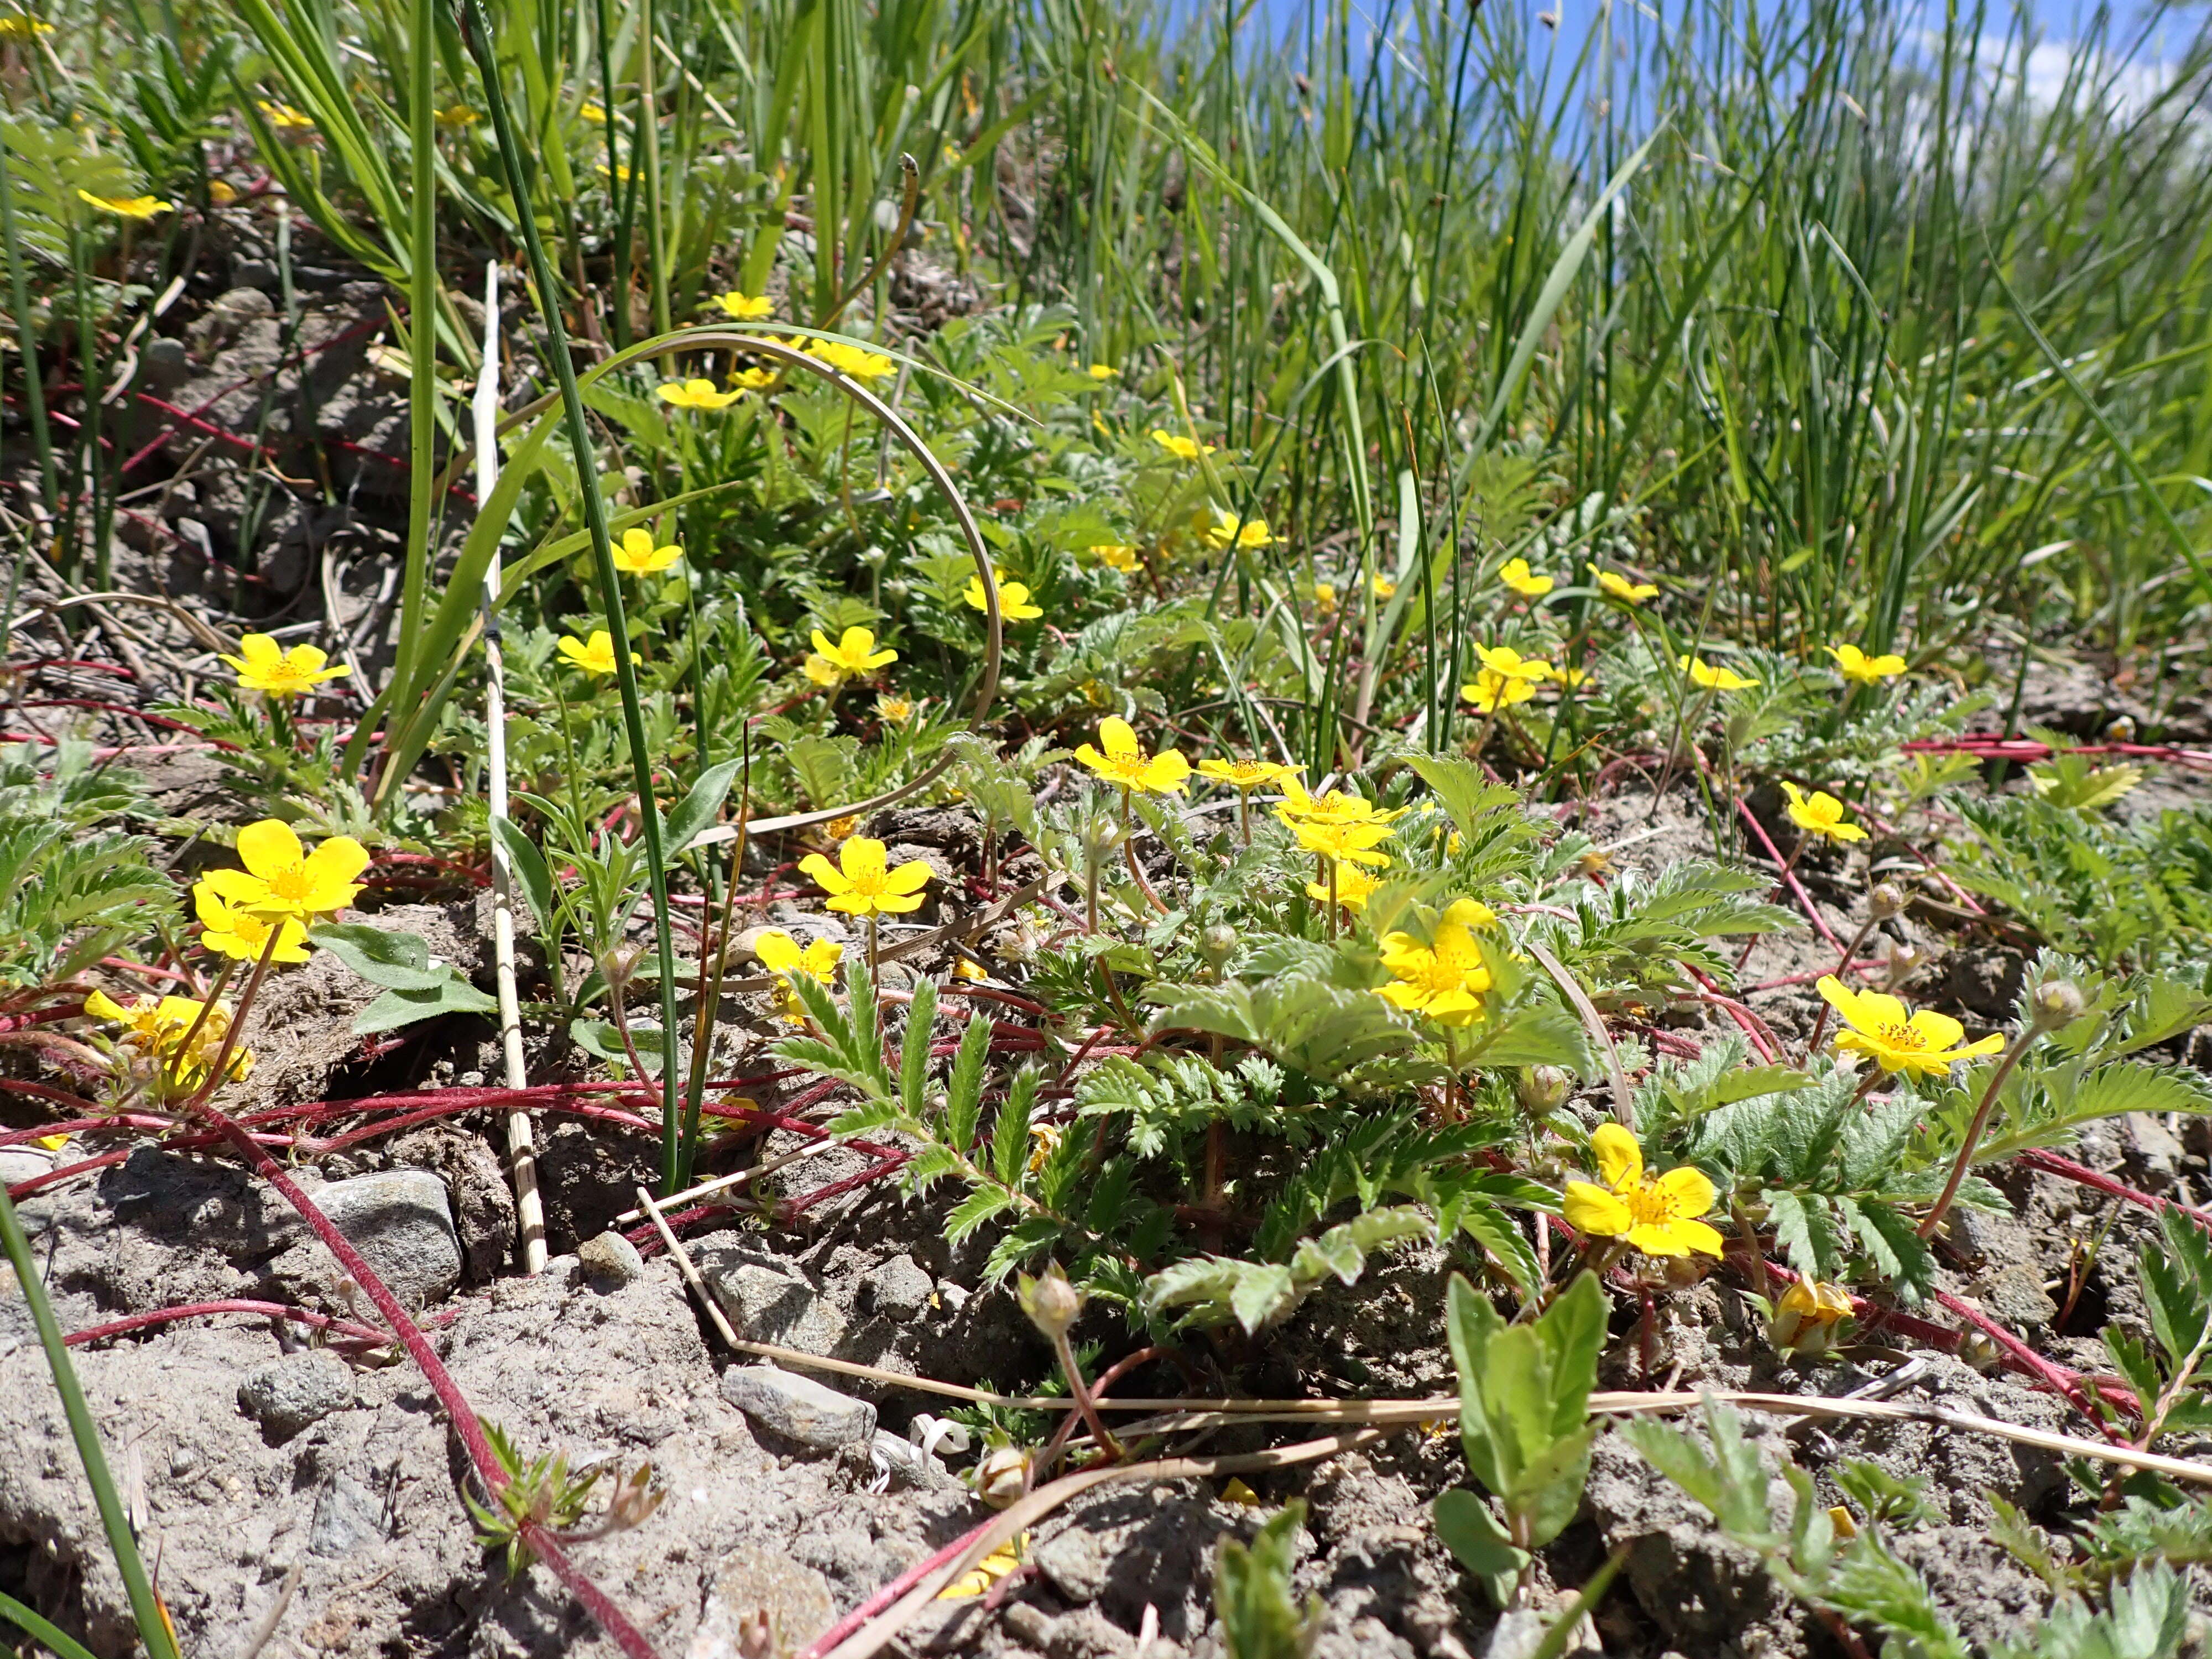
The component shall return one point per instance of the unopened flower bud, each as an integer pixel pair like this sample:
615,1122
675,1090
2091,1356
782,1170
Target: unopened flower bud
1052,1303
897,591
874,557
1809,1317
2054,1003
1001,1474
1887,900
1977,1349
1102,836
1543,1089
1216,945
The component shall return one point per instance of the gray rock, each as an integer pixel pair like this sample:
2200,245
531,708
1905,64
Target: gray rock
610,1260
348,1516
2152,1150
767,1298
21,1164
908,1462
285,1395
2014,1297
400,1220
898,1289
798,1407
759,1591
1520,1632
1996,1239
1076,1562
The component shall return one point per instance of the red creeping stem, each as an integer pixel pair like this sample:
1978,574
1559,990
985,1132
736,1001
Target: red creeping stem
889,1593
1788,876
610,1619
2068,1383
345,1327
2067,1169
2027,751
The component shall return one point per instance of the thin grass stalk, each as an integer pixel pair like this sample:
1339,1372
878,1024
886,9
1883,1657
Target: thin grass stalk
145,1606
475,30
421,332
26,338
521,1149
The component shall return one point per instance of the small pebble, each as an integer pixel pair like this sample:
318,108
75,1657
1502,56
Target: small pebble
610,1261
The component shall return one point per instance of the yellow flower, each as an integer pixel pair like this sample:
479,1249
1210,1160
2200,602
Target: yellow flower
695,393
895,710
1657,1214
456,117
266,666
144,208
1341,843
1712,678
1325,598
1563,675
1229,531
852,360
1354,886
1337,806
1126,766
1860,669
1917,1044
619,175
860,884
281,880
15,25
221,192
1444,979
229,931
755,380
1184,449
854,656
1506,663
1621,588
636,555
1013,600
1383,588
1104,372
284,118
1516,576
596,656
157,1028
1806,1316
989,1570
746,307
839,830
782,956
594,112
1820,814
1493,690
1115,556
967,971
1246,775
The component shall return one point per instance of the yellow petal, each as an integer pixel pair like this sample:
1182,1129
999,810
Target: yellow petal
1619,1159
1689,1191
827,876
778,951
269,848
1591,1209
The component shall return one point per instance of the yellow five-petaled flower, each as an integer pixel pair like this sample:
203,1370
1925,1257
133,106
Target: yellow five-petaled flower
1444,979
1712,678
851,360
746,307
860,884
1246,775
1516,576
1340,841
854,656
1855,666
1125,765
281,878
1228,530
1620,587
1337,806
1184,449
231,930
1820,814
695,393
594,656
636,555
782,956
143,209
1116,556
1013,600
265,666
1656,1214
1919,1045
157,1027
